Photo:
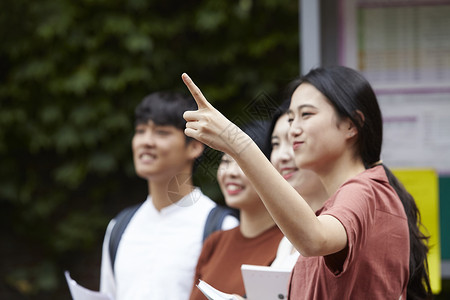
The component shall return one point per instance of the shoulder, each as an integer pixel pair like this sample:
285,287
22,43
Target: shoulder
130,210
370,178
363,186
195,204
121,220
199,200
360,196
373,186
221,236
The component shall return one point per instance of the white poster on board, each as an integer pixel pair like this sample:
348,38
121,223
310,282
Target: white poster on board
397,44
416,131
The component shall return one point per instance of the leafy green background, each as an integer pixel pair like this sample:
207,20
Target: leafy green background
71,73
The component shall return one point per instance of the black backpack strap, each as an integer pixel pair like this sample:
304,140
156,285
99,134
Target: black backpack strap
122,220
216,217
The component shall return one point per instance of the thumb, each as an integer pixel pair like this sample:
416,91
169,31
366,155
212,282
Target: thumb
195,91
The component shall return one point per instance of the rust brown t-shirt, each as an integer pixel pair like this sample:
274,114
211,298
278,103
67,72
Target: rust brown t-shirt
225,251
375,263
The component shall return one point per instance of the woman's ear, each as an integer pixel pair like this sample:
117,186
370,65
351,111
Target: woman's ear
352,130
195,149
359,117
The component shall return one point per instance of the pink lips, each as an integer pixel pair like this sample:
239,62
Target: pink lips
296,145
233,188
287,173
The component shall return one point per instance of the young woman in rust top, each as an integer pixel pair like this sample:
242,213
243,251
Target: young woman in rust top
255,241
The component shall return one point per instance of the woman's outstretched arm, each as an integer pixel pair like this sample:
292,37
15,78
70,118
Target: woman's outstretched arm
311,235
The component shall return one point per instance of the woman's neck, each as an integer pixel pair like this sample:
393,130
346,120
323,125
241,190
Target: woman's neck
255,221
339,172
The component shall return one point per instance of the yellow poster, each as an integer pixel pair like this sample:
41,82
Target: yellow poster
423,185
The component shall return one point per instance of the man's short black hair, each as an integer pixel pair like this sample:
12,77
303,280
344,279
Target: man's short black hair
164,108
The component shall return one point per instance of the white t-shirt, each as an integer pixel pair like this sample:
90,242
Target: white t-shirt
158,252
287,255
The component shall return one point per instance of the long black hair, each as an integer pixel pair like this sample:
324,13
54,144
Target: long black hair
352,97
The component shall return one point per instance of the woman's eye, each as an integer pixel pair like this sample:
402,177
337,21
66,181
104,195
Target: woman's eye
305,114
275,144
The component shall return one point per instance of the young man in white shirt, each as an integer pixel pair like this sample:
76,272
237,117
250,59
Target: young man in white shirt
155,256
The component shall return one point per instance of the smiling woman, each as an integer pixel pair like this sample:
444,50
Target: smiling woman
319,137
254,241
306,182
358,245
235,186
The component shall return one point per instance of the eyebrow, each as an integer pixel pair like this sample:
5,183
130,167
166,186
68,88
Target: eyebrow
290,111
305,105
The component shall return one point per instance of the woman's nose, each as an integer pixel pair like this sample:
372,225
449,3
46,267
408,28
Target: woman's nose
231,169
294,131
286,152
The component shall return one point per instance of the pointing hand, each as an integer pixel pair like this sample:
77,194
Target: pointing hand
209,126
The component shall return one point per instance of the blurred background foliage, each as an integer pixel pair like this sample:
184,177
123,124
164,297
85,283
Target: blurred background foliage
71,73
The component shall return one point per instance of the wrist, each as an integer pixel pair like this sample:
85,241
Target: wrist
235,139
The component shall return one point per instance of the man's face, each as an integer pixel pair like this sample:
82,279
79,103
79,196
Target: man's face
160,152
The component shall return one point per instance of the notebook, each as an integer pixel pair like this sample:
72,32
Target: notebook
265,283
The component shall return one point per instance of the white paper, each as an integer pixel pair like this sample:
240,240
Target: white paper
79,292
212,293
265,283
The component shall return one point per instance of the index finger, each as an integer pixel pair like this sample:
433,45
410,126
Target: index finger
195,91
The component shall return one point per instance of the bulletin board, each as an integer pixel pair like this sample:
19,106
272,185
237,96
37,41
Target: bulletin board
403,48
